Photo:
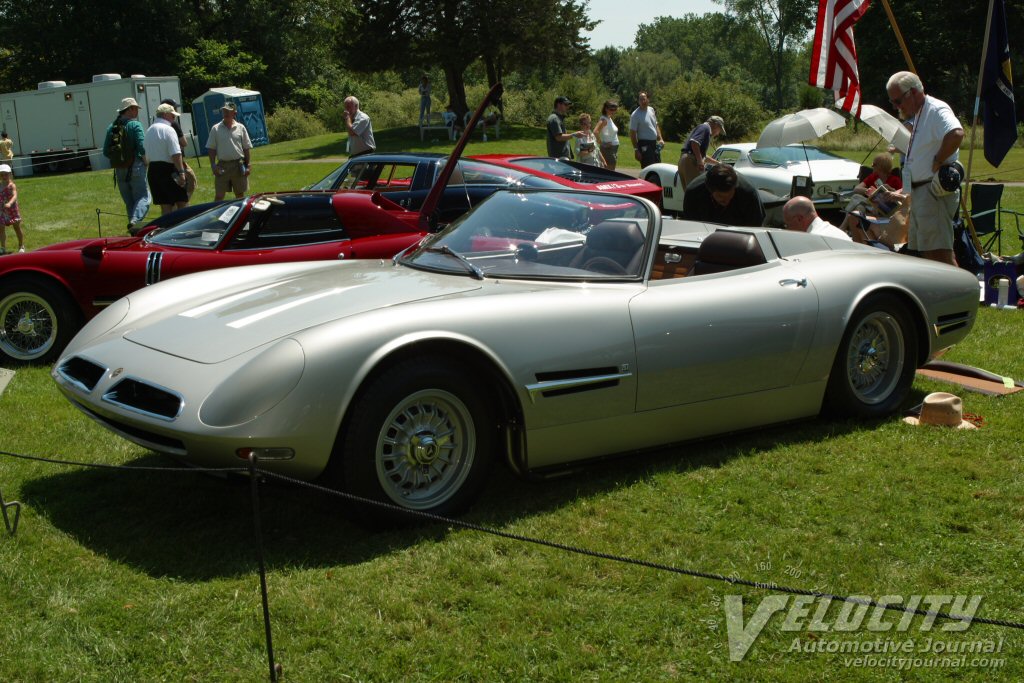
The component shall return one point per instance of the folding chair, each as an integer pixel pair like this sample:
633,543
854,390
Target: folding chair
987,215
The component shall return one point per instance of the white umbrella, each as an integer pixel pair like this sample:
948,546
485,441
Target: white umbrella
800,127
886,125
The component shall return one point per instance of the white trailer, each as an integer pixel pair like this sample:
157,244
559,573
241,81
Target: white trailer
62,127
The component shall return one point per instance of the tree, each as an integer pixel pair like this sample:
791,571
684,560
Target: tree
779,23
211,61
944,40
455,33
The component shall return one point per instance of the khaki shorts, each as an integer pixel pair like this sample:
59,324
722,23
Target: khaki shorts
231,178
691,168
931,219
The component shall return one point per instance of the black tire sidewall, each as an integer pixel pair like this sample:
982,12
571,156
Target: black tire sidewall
67,318
840,400
356,462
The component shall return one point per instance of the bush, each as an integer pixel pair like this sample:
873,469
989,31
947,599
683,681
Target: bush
288,123
690,100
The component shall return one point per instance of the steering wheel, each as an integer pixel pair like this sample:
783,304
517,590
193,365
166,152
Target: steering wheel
605,265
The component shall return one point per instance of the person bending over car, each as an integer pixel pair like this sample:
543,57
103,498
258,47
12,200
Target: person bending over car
721,196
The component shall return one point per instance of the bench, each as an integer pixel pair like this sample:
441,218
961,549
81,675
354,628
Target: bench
436,122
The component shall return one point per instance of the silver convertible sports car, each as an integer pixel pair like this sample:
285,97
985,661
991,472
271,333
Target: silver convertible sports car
545,328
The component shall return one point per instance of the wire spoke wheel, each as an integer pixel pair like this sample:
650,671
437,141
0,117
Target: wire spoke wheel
28,326
874,357
875,362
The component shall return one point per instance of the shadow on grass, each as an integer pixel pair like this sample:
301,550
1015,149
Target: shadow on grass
194,526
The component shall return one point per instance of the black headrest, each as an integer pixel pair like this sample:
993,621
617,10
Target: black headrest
616,236
728,248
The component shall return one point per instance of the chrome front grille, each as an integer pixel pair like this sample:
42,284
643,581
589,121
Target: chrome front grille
83,373
144,398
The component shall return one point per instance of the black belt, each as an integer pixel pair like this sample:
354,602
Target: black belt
919,183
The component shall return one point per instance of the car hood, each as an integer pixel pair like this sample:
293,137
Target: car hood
825,169
212,327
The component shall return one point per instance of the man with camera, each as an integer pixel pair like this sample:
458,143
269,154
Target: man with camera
931,173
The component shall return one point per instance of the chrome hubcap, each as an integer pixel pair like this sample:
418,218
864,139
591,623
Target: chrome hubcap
875,358
27,326
425,449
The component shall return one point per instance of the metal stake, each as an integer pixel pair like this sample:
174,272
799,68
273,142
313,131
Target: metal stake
254,487
12,529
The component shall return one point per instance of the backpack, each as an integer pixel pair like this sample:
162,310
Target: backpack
121,150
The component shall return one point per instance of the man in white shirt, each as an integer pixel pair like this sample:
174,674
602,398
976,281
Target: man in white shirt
799,214
935,141
166,172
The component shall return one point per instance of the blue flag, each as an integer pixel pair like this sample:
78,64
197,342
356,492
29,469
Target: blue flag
997,90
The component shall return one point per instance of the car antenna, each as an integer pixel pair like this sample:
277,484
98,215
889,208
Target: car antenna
430,204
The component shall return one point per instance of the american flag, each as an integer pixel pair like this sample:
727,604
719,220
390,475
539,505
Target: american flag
834,60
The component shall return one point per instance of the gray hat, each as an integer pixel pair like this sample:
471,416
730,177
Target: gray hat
719,121
562,99
229,106
127,103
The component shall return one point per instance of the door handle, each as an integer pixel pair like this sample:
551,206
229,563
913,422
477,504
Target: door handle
802,282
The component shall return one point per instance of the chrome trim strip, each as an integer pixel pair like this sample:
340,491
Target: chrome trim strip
539,388
153,263
181,399
941,328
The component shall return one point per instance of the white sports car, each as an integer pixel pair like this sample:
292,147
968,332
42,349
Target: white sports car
771,170
545,328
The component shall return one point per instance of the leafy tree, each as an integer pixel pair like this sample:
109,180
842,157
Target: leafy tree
456,33
707,42
944,40
72,41
213,62
645,71
780,23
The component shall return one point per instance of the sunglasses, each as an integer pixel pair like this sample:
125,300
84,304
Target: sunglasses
898,102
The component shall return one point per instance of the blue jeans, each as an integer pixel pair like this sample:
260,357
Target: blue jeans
424,109
134,190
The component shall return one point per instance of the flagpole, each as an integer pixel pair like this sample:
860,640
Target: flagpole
974,124
899,36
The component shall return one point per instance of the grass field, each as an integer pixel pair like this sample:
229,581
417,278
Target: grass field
152,576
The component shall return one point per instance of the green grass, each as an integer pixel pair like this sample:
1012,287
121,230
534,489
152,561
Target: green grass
121,576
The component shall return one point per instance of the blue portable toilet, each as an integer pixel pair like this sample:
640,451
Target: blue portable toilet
206,112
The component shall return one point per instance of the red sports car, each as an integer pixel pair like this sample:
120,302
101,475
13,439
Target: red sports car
575,174
46,295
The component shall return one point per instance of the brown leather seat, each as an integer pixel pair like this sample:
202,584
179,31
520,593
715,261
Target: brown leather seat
612,242
725,250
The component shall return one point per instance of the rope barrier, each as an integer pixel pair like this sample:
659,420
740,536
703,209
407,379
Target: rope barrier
255,473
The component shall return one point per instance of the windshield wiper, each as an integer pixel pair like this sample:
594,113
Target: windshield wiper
473,269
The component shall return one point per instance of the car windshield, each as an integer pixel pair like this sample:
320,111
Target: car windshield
543,235
328,182
470,172
203,231
548,165
780,156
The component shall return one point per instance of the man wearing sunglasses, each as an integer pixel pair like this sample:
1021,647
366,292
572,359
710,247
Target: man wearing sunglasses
935,142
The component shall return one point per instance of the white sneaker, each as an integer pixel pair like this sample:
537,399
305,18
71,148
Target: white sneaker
22,250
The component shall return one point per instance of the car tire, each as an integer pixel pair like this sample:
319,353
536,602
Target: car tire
876,360
420,437
653,179
37,320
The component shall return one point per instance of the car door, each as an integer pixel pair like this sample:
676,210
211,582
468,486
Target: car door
701,338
